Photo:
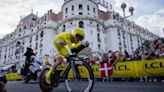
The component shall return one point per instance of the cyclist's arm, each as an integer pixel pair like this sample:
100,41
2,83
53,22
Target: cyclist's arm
71,45
75,48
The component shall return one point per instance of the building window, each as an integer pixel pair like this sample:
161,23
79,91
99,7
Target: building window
98,28
63,28
30,39
31,30
98,38
22,49
120,43
23,42
0,54
66,10
80,6
36,46
131,38
80,13
124,42
24,27
41,43
37,27
19,29
71,22
45,17
90,22
94,10
41,51
125,46
88,7
123,35
36,52
36,38
72,7
114,17
99,46
119,32
81,24
41,34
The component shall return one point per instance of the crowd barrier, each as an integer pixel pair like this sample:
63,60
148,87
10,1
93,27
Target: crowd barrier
139,68
122,69
129,69
13,76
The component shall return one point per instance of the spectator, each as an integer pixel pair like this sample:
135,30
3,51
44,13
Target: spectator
105,58
162,51
28,55
92,61
127,57
97,60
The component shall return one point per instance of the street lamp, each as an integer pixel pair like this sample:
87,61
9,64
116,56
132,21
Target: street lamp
131,9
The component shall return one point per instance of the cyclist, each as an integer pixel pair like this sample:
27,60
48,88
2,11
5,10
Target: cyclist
65,44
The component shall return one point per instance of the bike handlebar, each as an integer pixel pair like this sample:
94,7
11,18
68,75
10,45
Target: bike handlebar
71,57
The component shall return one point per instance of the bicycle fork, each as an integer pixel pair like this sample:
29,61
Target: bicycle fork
75,70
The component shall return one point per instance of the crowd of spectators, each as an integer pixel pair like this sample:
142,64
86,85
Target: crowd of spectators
149,50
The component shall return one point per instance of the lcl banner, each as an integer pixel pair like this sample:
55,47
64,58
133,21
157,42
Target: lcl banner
126,69
139,68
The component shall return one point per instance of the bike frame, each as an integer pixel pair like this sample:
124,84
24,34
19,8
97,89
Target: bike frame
73,66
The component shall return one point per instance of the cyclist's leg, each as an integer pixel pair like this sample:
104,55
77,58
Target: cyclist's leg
58,60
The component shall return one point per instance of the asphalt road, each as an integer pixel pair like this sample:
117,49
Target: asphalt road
19,86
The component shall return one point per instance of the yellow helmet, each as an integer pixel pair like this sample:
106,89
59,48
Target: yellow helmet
78,33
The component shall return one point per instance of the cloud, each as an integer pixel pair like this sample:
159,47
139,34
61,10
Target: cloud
160,12
153,22
12,10
149,16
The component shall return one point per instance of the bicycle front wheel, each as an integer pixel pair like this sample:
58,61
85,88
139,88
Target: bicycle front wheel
85,81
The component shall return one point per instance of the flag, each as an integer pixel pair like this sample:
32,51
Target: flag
106,69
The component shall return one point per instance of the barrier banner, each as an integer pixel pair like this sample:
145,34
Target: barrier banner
128,69
122,69
139,68
150,68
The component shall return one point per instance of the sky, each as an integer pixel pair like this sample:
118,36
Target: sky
147,13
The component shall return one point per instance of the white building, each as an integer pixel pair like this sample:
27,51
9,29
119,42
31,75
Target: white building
103,30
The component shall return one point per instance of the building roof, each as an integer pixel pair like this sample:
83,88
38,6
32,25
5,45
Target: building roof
104,15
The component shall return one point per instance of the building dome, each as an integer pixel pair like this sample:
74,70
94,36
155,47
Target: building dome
73,8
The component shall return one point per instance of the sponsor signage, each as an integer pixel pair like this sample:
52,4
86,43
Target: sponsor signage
129,69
